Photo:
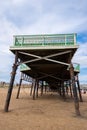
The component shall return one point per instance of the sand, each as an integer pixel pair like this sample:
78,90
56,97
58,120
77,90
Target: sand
49,112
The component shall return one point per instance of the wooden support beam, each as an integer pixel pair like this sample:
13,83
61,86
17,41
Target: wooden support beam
76,101
14,68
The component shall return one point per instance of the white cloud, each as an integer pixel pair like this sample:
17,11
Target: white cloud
81,55
83,79
43,16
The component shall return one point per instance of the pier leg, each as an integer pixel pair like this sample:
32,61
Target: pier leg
34,91
19,88
70,89
45,88
31,87
63,90
80,96
42,89
76,101
14,68
60,89
67,88
37,88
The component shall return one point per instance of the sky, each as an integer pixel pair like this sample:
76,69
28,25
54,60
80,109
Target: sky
42,17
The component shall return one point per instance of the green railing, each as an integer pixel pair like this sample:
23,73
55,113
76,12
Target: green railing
45,40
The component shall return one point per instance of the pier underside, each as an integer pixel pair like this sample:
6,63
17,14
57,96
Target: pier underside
47,64
47,58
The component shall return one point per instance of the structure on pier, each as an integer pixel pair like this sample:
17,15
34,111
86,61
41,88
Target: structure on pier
46,58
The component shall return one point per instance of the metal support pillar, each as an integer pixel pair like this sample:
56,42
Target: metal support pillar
70,88
45,88
37,84
19,88
34,91
42,88
32,87
63,89
76,101
14,68
80,96
60,89
67,89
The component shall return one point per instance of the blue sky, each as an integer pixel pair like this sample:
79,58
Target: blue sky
40,17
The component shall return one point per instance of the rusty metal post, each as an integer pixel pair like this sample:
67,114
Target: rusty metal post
76,101
14,68
60,89
67,89
70,88
19,87
37,88
45,88
31,87
42,88
34,91
80,96
63,89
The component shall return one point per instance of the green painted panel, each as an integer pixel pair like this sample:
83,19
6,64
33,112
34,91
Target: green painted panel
76,67
24,67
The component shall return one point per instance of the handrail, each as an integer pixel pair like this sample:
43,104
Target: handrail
45,40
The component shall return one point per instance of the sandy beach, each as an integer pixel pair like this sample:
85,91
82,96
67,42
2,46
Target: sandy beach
48,112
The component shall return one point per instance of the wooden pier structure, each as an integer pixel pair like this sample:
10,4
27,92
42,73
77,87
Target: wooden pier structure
46,58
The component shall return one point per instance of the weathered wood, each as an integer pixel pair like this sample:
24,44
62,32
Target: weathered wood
76,101
14,68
